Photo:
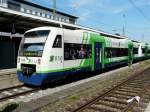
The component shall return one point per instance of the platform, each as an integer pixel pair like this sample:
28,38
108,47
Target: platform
7,71
8,78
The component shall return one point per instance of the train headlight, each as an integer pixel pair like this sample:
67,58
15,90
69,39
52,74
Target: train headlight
39,61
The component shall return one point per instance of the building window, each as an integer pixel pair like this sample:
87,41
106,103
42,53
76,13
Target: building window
22,10
47,16
36,13
64,19
43,14
67,20
13,5
25,10
61,19
39,14
29,11
33,12
71,20
52,17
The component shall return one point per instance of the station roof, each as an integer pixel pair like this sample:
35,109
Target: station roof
44,8
21,22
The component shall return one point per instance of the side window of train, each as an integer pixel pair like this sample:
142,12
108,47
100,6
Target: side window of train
58,42
115,52
73,51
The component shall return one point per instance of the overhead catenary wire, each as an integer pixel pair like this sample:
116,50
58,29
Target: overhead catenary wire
140,11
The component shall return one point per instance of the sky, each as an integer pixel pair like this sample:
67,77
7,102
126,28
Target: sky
109,15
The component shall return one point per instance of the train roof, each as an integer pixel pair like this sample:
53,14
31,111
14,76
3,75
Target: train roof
85,30
135,41
42,28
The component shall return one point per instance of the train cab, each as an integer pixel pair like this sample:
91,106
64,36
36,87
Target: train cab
38,50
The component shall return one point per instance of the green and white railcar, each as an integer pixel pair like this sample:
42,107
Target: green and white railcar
137,50
148,51
117,51
143,46
49,53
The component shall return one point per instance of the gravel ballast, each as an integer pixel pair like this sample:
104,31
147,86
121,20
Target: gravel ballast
64,97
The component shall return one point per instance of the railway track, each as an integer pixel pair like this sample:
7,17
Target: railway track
121,98
16,91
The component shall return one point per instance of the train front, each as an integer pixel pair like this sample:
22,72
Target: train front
30,56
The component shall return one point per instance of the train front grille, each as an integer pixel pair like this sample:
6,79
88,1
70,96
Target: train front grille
28,69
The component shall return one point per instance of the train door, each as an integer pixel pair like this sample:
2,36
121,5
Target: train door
58,51
97,56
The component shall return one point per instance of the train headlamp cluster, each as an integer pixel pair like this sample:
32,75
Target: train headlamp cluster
39,61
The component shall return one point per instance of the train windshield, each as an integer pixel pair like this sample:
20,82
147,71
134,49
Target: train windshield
33,43
37,34
32,49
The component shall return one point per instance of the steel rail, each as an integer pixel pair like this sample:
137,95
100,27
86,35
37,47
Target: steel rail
128,107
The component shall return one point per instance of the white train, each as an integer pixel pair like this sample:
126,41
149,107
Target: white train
51,53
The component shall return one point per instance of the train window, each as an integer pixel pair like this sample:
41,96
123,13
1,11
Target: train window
37,34
77,51
148,51
33,49
58,42
143,50
115,52
135,50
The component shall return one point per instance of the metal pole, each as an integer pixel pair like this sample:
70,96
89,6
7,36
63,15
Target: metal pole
74,6
124,27
143,36
54,6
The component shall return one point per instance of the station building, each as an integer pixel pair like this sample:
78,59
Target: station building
18,16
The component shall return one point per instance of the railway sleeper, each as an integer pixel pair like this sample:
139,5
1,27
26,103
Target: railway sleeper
129,91
136,84
104,108
143,104
123,94
140,81
143,83
131,88
111,104
120,96
113,99
126,93
95,109
138,109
